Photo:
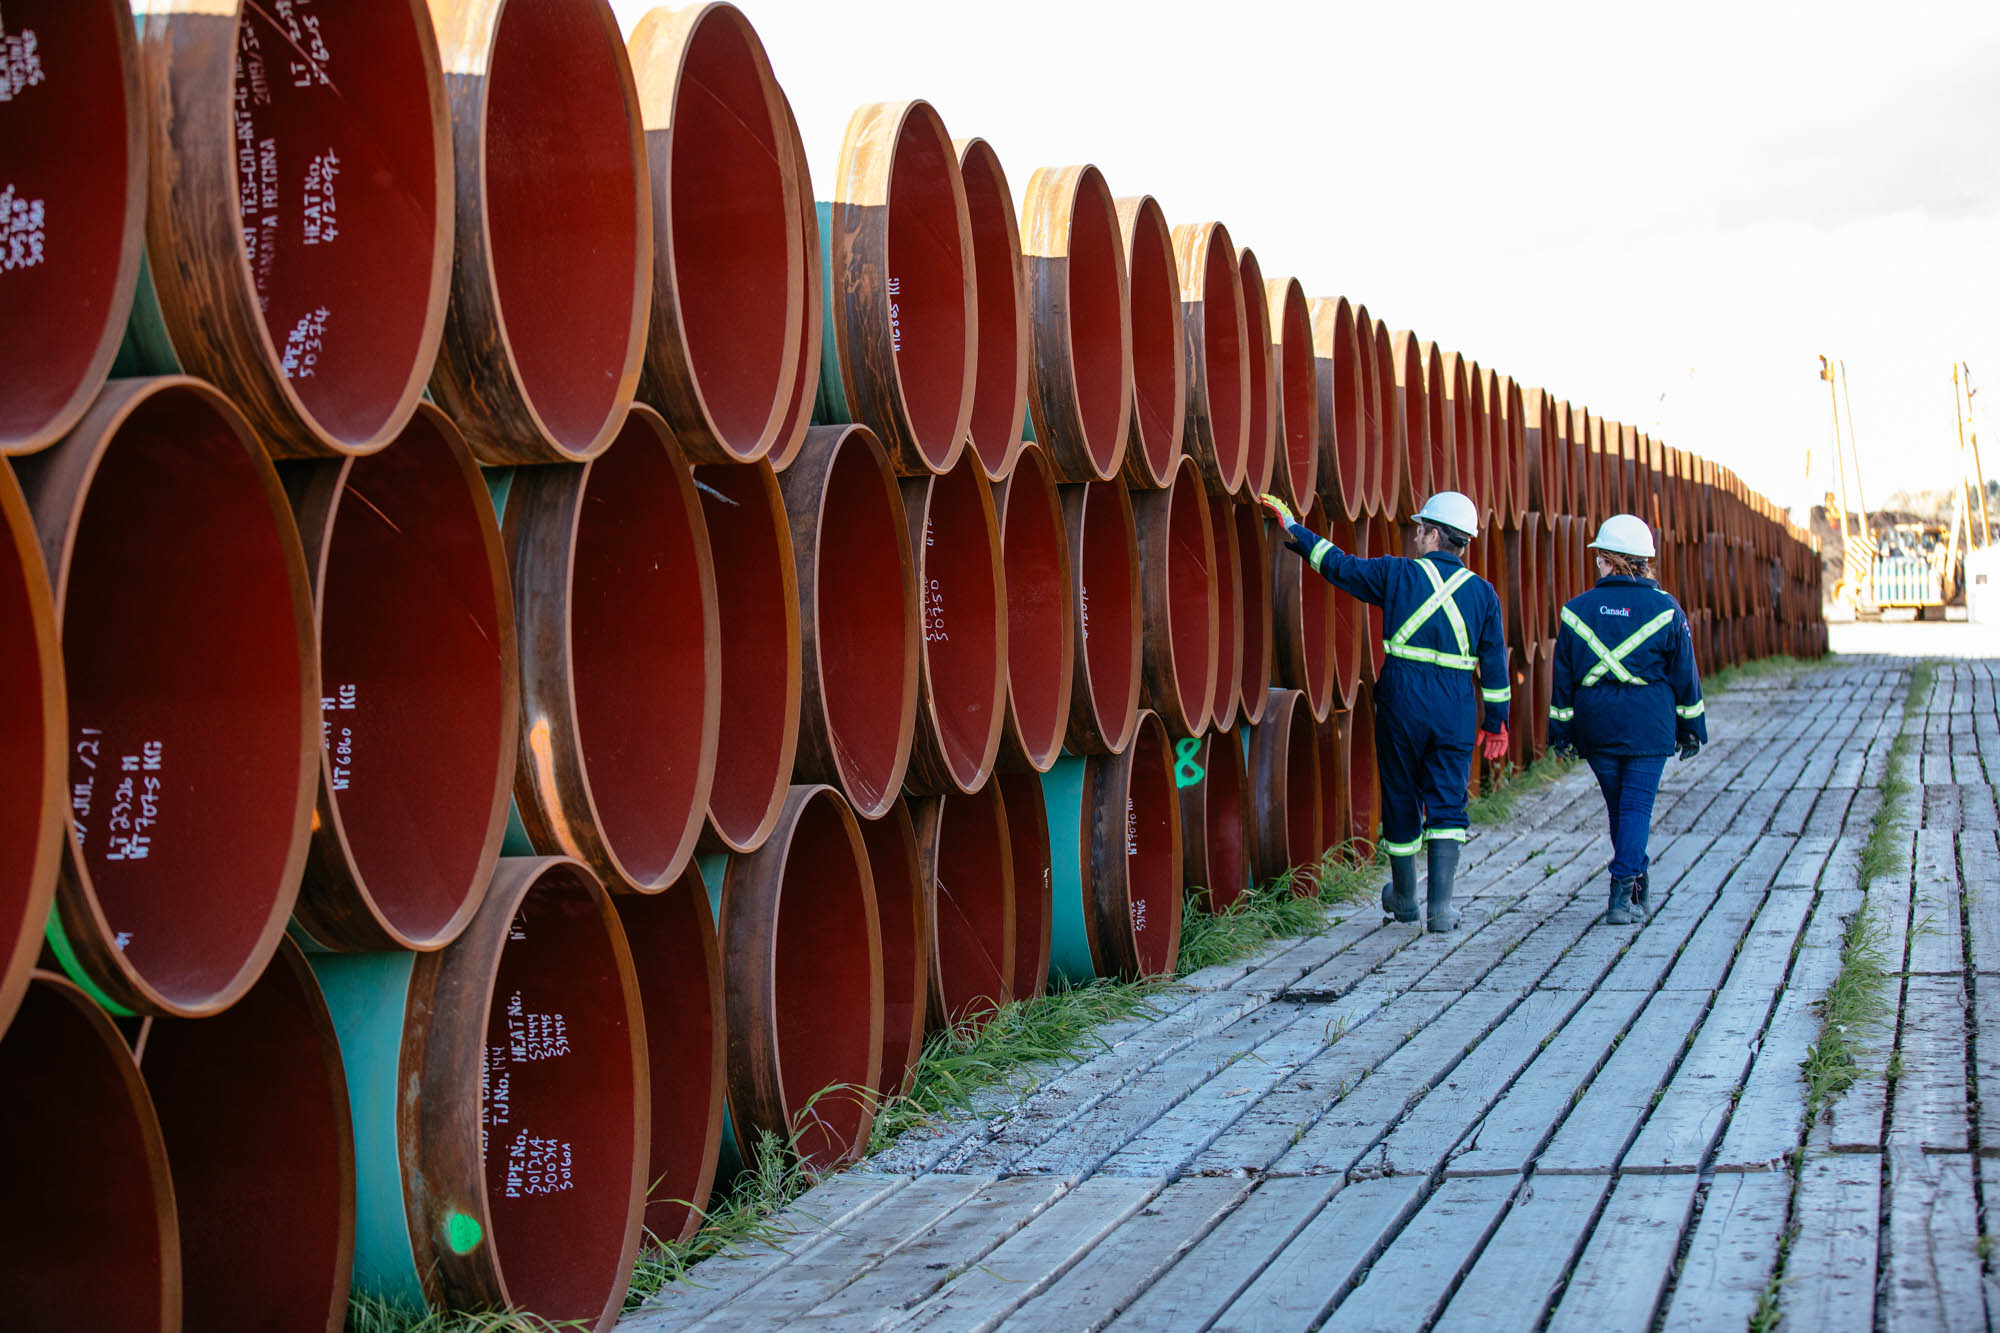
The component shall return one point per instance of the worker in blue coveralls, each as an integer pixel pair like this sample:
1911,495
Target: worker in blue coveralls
1446,656
1626,695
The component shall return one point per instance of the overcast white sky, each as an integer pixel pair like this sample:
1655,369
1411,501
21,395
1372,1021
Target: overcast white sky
1666,212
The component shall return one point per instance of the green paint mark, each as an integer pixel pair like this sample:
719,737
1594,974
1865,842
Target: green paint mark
1186,771
65,952
463,1233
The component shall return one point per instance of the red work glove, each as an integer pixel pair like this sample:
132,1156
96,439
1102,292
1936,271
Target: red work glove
1493,744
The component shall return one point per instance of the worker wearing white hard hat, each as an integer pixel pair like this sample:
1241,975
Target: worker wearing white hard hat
1626,694
1446,658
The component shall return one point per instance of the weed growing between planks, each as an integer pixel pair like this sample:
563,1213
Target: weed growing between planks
1505,790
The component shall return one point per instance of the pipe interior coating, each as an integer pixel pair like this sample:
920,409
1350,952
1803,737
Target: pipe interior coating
1041,635
1000,379
1256,644
728,253
185,633
72,160
417,680
1153,854
34,758
1104,554
253,1108
1029,851
968,854
956,536
904,909
1159,360
88,1238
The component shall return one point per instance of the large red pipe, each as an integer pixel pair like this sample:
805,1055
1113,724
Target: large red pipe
1284,773
1256,648
1218,351
549,306
962,695
729,248
1177,580
858,624
1159,355
904,910
88,1237
1000,390
253,1108
802,961
968,870
1374,436
1304,621
1538,434
1104,562
1462,397
1438,370
1261,355
1390,473
803,392
34,728
1523,456
901,288
679,968
615,591
1041,616
1343,408
1364,778
1230,612
1406,354
420,690
1122,826
1350,626
1493,475
1380,536
72,168
757,594
1028,838
1210,775
1527,597
1336,811
290,152
1080,395
1301,424
176,564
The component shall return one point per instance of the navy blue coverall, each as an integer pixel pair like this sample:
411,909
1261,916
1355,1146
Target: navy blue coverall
1626,694
1426,699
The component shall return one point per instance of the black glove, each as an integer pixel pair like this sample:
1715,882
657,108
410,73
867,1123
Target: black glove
1688,748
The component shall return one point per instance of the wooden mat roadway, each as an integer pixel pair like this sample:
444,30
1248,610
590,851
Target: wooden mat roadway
1534,1121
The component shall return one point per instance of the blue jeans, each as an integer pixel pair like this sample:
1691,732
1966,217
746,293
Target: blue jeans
1629,785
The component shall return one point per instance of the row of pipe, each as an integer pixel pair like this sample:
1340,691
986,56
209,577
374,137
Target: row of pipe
694,643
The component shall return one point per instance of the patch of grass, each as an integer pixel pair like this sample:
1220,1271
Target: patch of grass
367,1314
1853,1007
1506,789
1756,669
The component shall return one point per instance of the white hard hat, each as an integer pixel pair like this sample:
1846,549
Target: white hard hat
1449,509
1625,534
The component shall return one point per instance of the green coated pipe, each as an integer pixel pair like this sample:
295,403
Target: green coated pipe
830,408
1063,789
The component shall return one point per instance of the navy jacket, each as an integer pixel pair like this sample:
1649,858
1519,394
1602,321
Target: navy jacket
1650,700
1400,588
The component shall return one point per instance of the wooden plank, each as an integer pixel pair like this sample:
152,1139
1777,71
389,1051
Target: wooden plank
1326,1258
1625,1265
1929,1109
1933,1265
825,1269
1454,1104
1032,1258
827,1212
1737,1236
1940,795
1528,1115
1830,1269
1282,1116
1978,802
1801,868
1408,1284
1979,861
1766,1124
1789,819
922,1265
1937,942
1986,1069
1125,1263
1528,1257
1203,1282
1752,814
1358,1121
1600,1125
1084,1143
1684,1125
1829,812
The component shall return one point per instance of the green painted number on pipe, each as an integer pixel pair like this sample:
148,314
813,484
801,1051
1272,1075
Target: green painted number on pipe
1186,771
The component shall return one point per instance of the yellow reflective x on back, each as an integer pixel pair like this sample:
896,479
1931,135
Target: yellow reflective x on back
1441,599
1611,661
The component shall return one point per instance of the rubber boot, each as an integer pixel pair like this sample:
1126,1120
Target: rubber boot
1444,872
1399,895
1619,911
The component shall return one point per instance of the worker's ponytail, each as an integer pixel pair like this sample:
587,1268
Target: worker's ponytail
1631,566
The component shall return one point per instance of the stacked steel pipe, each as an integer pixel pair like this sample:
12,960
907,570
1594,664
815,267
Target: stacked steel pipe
863,618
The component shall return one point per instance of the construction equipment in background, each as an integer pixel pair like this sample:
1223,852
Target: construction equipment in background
1846,512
